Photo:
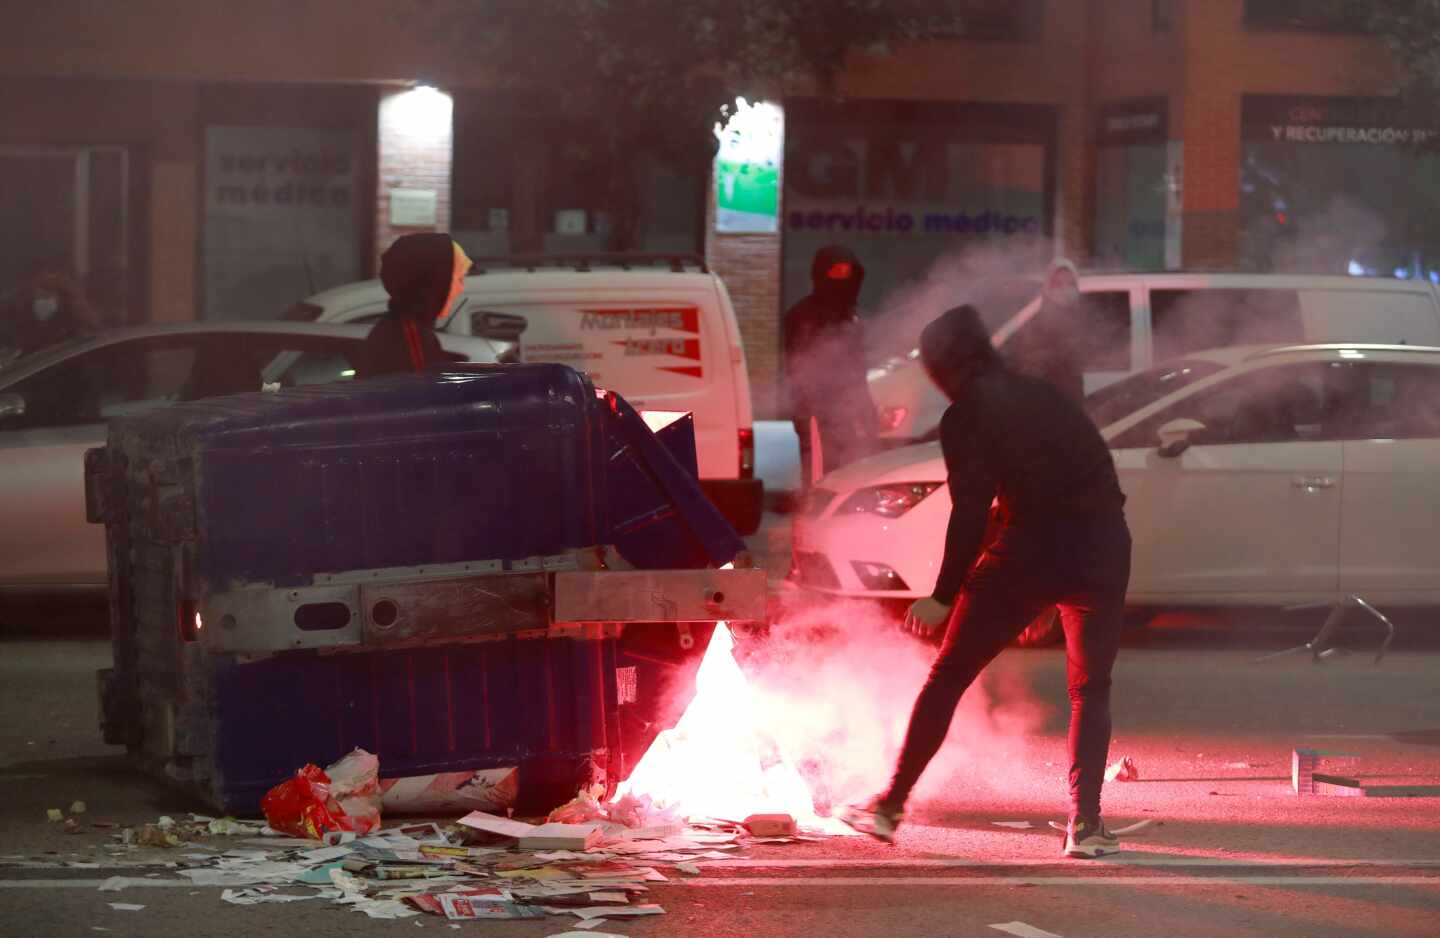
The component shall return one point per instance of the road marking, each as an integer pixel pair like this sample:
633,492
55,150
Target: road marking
1115,860
882,881
1022,930
1183,881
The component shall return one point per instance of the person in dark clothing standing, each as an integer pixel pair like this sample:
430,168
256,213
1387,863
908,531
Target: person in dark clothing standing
825,365
1061,540
424,274
1049,345
50,308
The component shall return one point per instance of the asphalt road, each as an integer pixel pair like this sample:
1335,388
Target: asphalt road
1211,730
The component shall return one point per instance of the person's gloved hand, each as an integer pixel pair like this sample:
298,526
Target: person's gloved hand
926,615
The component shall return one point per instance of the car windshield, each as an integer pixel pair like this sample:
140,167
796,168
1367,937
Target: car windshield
1123,398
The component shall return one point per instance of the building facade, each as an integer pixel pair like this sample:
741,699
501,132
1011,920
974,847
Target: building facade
221,160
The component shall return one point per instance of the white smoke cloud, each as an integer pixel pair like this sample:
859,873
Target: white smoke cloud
836,682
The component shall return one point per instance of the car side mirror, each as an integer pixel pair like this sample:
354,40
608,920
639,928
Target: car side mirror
1176,436
11,405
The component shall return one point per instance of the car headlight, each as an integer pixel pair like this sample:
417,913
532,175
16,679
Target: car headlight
888,501
892,417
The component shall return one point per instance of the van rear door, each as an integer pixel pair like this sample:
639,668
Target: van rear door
662,349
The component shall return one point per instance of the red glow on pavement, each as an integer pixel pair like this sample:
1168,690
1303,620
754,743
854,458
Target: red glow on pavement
719,761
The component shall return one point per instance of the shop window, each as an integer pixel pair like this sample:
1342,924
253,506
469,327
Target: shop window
1130,214
1185,321
1321,16
66,209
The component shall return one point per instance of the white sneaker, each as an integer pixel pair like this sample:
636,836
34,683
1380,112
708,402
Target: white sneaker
1085,839
874,819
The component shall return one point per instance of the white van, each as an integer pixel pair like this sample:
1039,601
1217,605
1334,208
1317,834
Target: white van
1130,321
658,329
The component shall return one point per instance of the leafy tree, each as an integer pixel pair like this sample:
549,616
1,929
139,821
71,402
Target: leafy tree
604,82
1412,30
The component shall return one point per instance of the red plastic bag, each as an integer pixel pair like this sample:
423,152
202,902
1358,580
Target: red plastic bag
303,807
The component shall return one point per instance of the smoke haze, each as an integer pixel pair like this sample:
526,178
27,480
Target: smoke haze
835,683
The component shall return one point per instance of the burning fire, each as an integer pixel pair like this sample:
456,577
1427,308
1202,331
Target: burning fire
718,761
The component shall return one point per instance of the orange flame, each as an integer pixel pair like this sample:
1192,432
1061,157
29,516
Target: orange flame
718,761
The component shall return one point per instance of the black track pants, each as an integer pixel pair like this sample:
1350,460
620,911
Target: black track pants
1081,565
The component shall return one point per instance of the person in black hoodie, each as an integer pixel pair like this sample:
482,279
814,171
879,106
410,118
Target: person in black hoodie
825,365
1061,539
49,309
424,274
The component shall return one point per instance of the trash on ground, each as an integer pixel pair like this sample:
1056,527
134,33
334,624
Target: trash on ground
501,826
315,802
126,907
770,825
54,814
554,836
1123,771
451,792
1015,825
77,807
589,871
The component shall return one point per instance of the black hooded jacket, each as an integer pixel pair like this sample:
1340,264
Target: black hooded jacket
417,271
1012,439
824,342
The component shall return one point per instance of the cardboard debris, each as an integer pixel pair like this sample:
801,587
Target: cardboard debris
500,826
126,907
1306,781
770,825
556,836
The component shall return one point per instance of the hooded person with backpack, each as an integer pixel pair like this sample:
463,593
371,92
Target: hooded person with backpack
1059,539
423,274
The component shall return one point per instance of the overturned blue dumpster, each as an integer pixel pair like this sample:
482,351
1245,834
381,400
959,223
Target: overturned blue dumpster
474,568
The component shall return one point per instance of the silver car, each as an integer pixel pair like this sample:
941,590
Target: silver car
54,405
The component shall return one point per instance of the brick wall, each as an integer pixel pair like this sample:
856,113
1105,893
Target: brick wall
749,264
414,146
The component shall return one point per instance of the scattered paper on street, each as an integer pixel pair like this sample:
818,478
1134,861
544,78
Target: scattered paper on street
589,871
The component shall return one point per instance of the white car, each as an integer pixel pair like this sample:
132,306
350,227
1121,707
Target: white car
1128,322
54,404
1253,477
